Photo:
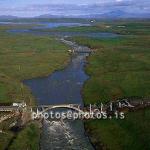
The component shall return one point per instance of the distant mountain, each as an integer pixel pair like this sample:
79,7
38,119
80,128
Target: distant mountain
113,14
8,17
118,14
109,15
50,16
64,16
122,14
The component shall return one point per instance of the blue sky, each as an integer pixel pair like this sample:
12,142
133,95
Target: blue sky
29,8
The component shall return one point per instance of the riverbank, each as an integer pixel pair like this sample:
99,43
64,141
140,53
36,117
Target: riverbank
24,56
119,69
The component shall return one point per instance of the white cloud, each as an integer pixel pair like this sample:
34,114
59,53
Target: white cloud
98,7
119,0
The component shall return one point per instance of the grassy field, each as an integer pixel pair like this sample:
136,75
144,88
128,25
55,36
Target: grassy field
130,134
119,68
28,138
24,56
126,27
5,139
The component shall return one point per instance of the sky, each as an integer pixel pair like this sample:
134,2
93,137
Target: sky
31,8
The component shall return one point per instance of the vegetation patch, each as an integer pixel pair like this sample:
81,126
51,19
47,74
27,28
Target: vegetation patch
119,68
28,138
25,56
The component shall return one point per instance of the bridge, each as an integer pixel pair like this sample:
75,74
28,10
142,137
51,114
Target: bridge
27,110
81,49
76,107
45,108
23,111
9,108
77,48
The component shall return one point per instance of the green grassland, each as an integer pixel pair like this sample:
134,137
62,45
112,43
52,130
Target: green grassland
72,29
131,133
24,56
120,67
5,139
126,27
28,138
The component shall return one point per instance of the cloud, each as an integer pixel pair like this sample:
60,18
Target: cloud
101,6
119,0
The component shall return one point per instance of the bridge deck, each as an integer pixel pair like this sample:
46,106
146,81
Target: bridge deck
8,108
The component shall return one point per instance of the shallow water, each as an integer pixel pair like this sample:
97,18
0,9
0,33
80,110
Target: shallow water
50,25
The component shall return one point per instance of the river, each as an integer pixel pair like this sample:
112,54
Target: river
63,87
